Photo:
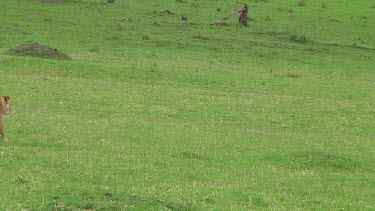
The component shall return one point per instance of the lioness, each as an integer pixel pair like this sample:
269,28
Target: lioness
5,109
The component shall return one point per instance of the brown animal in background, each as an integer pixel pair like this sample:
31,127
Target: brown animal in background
5,109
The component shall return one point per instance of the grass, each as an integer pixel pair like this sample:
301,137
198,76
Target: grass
151,112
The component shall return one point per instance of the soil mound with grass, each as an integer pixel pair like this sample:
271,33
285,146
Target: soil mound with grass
37,50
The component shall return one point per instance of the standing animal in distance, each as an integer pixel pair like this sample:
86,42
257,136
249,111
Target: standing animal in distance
183,18
5,109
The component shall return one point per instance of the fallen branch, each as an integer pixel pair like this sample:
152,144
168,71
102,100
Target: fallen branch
243,17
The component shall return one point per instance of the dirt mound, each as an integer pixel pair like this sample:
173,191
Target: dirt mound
37,50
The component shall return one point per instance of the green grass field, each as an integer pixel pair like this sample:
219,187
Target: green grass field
150,112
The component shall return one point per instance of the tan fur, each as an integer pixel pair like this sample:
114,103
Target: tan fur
5,109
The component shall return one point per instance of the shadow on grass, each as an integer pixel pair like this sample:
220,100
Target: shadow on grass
316,160
86,201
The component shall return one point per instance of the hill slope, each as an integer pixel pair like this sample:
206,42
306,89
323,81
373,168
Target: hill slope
148,111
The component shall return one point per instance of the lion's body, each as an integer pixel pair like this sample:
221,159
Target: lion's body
5,109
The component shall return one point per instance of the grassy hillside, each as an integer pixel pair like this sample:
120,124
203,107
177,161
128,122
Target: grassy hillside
149,112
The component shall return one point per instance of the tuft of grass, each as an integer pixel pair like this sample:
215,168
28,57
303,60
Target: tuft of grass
163,13
324,5
190,155
200,37
145,37
52,1
94,49
119,27
299,37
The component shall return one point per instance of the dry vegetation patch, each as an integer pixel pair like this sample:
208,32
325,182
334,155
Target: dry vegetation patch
38,50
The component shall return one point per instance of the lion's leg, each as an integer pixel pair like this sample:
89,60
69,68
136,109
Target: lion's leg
2,135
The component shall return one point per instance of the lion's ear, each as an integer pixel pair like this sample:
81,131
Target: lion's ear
7,98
